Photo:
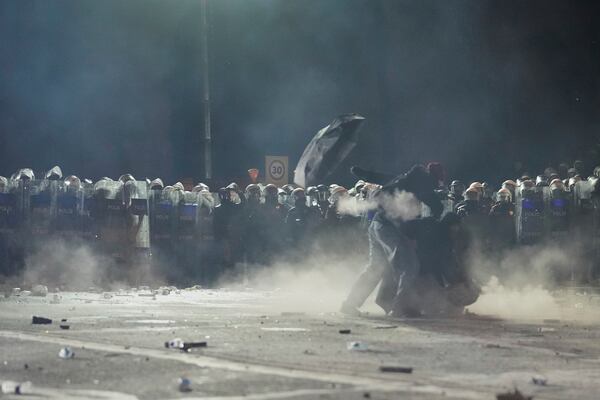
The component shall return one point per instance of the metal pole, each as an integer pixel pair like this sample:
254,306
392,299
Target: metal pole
206,95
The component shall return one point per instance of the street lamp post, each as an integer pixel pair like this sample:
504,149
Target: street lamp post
206,92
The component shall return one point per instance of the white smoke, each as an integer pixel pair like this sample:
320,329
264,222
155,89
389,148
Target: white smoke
399,205
528,302
73,264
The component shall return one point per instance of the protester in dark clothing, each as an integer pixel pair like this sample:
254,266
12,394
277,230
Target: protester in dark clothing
391,252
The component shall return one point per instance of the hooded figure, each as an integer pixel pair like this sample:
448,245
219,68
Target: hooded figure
392,254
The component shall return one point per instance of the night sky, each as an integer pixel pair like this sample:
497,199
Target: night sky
106,87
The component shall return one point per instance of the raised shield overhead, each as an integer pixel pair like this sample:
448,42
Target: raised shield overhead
330,146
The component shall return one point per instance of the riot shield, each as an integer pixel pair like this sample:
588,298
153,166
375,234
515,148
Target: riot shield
135,197
11,254
69,210
163,218
556,213
40,206
9,210
186,247
529,211
111,219
187,216
89,229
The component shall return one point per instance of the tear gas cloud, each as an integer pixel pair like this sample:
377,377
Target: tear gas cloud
72,265
398,205
317,284
523,283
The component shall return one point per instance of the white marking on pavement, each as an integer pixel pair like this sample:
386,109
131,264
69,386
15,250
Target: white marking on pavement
285,329
362,382
150,321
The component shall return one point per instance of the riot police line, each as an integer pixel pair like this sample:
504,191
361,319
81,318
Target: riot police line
198,235
181,236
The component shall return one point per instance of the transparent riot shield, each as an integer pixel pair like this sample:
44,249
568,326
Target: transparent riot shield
40,206
89,228
583,230
208,251
556,214
162,231
69,210
162,217
187,216
111,219
11,253
186,246
529,211
595,198
9,210
135,195
582,201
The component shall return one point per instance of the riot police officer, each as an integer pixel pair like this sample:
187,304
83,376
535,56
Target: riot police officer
300,221
502,220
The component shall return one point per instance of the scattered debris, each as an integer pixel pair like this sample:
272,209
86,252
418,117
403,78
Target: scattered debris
545,329
357,346
386,326
39,291
184,384
66,353
184,346
516,395
63,324
345,331
11,387
539,380
40,320
193,345
174,344
396,369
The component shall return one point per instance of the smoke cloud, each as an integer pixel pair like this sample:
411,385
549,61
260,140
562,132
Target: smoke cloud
399,205
74,265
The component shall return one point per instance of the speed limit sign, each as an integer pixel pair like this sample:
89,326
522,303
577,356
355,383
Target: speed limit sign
277,170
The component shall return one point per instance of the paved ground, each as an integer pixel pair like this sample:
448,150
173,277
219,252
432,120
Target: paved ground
257,351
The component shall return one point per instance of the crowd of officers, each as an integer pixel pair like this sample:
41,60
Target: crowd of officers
198,235
184,235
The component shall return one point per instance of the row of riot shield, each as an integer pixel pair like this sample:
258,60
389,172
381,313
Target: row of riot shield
543,211
110,217
167,230
181,236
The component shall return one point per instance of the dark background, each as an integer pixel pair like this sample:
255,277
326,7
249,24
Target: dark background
104,87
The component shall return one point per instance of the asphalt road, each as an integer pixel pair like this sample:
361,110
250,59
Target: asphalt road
259,348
